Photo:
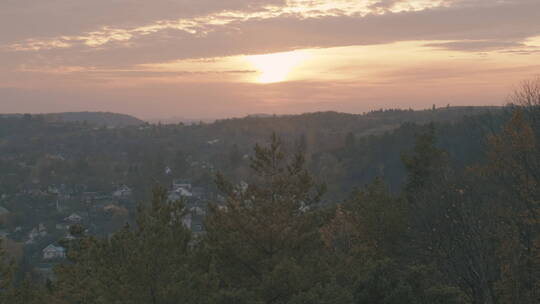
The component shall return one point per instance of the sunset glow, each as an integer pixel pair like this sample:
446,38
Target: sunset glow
276,67
206,58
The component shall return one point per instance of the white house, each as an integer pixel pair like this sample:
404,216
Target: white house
180,189
57,156
73,218
53,252
178,183
123,191
197,211
53,190
178,193
69,237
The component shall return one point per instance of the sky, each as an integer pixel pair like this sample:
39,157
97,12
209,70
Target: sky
224,58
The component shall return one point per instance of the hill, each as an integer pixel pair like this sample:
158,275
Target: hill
346,150
95,118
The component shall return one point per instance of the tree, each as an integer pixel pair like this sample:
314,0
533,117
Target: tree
350,141
367,237
29,292
514,169
7,272
425,164
265,238
527,95
180,164
526,99
235,157
450,226
148,263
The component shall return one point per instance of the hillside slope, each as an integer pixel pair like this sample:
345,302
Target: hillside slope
95,118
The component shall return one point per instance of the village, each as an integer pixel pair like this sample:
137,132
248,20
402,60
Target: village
42,245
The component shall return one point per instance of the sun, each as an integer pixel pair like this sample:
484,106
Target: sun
276,67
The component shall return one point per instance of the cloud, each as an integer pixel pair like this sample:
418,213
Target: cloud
65,55
471,27
476,45
25,19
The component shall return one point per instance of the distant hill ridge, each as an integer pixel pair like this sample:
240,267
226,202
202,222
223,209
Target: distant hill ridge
377,120
368,123
95,118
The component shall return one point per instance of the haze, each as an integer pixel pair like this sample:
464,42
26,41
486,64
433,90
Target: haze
215,58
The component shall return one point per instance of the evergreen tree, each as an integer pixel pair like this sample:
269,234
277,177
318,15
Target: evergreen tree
514,169
367,237
448,227
148,263
265,238
7,269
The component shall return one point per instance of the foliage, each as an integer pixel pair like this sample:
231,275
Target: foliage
265,236
148,263
454,219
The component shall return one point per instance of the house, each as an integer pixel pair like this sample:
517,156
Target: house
69,237
197,211
180,183
53,252
73,218
111,208
57,157
207,165
180,189
178,194
122,192
53,190
35,233
116,210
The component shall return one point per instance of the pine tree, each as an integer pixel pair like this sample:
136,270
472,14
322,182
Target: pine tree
7,269
148,263
447,226
367,237
265,238
514,167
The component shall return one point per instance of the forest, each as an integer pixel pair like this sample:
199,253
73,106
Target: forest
390,207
